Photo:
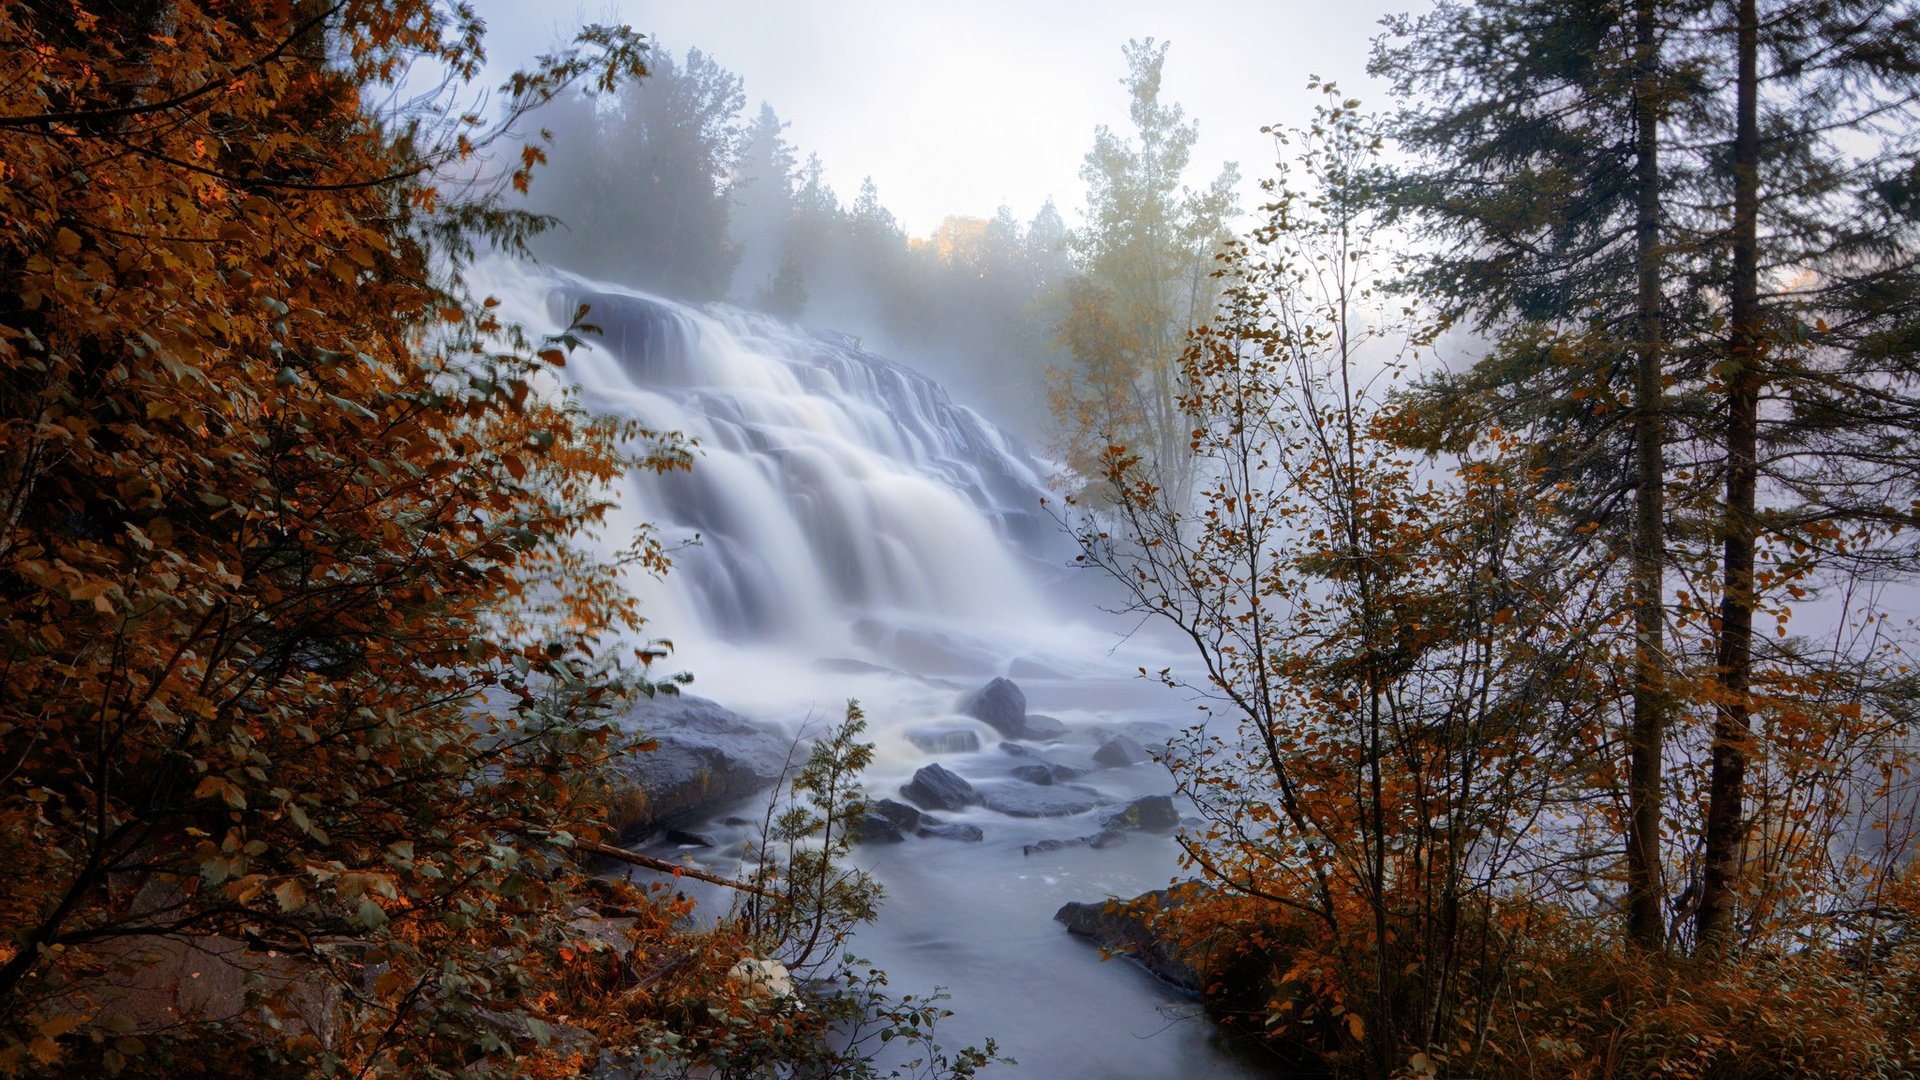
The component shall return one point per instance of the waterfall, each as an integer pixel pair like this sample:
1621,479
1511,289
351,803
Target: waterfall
840,504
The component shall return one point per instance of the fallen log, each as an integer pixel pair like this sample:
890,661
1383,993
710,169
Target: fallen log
663,866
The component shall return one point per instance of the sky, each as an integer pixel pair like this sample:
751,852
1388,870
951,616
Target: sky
958,108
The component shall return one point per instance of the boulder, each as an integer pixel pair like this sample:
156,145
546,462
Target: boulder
890,822
900,814
949,830
685,838
1039,770
1101,839
1028,800
875,829
1150,813
1127,927
1040,728
945,740
707,757
935,787
1120,751
1000,704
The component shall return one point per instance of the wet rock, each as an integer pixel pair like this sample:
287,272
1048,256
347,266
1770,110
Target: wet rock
874,829
890,822
935,787
902,815
1127,927
1040,728
1101,839
1120,752
1028,800
887,822
1151,813
945,740
689,839
708,756
1000,704
949,830
1042,771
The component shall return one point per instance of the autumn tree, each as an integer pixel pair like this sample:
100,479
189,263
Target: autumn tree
1147,250
306,679
1396,663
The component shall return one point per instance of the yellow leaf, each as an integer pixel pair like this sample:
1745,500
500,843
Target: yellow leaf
55,1026
1356,1026
66,240
210,786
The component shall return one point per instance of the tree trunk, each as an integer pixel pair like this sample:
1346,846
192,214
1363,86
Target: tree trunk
1726,791
1646,924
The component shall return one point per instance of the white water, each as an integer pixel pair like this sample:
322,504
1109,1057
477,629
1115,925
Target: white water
859,535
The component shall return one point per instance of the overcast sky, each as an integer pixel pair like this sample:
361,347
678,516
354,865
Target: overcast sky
956,108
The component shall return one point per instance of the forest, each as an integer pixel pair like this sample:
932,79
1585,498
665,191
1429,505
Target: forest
1522,481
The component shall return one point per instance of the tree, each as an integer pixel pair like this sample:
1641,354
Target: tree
1582,157
660,172
1147,248
305,677
1543,192
762,191
1403,662
1831,67
281,502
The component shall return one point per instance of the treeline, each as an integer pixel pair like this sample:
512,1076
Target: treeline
1559,724
670,187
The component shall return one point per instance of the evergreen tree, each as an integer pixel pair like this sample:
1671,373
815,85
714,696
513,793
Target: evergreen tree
763,208
660,178
1541,195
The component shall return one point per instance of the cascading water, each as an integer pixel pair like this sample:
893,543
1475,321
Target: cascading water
831,481
861,535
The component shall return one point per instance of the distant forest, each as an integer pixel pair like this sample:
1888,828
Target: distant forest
691,196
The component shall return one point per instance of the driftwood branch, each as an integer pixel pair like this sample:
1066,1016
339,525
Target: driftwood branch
649,862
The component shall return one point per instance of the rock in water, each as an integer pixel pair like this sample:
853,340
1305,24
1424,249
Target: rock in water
1123,926
874,829
1043,728
1027,800
902,815
1042,771
945,740
1120,751
889,822
949,830
935,787
1151,813
707,757
1001,704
